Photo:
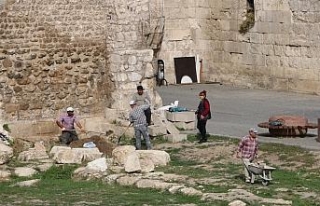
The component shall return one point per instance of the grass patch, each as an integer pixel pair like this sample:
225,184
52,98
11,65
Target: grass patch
56,186
68,192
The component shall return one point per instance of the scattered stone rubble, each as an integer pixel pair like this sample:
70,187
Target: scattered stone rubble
123,165
127,167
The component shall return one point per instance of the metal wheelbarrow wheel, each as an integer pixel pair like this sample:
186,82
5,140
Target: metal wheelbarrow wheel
265,182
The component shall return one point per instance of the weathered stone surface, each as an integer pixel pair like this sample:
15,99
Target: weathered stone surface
84,173
99,165
77,155
185,125
237,203
28,183
38,152
24,171
120,154
44,167
155,184
132,163
112,178
146,164
190,191
33,154
176,137
56,149
157,130
7,63
6,153
4,174
158,157
68,157
180,116
128,180
171,128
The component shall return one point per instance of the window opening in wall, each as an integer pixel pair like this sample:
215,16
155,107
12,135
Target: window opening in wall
248,23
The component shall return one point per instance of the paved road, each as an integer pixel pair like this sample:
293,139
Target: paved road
235,110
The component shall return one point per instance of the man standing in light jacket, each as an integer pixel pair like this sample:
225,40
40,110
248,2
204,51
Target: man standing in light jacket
138,119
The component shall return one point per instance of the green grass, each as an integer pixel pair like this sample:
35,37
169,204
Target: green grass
67,192
56,186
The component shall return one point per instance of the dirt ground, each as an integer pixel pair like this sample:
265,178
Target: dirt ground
102,144
225,153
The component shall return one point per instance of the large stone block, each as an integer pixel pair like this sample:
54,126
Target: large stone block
171,128
157,130
176,137
179,35
180,116
158,157
77,155
25,129
185,125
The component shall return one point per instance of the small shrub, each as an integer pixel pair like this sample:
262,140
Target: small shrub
248,23
6,128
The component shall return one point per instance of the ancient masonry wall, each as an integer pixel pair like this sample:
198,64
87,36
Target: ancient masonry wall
52,55
280,52
133,35
89,54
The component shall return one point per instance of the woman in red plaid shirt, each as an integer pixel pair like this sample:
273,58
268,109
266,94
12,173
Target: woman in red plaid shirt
248,147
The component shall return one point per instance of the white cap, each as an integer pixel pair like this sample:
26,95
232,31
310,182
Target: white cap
132,102
70,109
253,130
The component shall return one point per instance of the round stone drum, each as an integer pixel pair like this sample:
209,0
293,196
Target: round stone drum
286,125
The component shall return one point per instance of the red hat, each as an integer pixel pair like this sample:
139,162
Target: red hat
203,92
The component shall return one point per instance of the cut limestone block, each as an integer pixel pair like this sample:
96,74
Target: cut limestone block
185,125
176,137
181,116
157,130
171,128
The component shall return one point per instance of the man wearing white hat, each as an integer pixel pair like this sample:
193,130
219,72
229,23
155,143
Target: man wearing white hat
143,98
248,147
67,123
139,121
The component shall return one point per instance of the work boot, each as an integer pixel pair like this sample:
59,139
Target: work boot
202,140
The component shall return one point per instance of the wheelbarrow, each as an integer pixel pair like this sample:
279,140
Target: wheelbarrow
262,171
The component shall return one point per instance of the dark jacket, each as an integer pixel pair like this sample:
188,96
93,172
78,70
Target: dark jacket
203,108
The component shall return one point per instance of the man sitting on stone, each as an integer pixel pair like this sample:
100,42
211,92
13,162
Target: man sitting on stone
67,123
142,98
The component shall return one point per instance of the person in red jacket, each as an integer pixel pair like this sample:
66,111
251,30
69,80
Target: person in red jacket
203,114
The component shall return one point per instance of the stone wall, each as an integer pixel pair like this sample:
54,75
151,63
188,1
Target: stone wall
133,36
52,55
91,54
82,53
180,35
280,52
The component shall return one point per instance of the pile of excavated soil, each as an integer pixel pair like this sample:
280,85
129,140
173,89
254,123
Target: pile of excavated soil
103,145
